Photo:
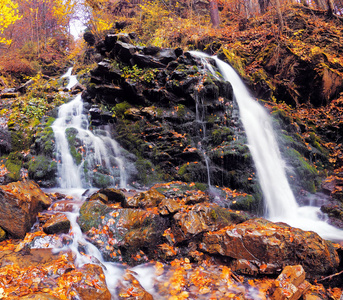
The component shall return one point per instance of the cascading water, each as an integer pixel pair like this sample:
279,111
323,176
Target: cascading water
97,157
280,202
98,152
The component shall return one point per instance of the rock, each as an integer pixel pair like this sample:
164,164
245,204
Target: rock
151,198
114,195
130,288
2,234
90,214
151,50
201,218
274,243
92,284
165,56
121,234
146,61
20,203
5,140
291,284
89,38
123,51
59,223
39,296
168,206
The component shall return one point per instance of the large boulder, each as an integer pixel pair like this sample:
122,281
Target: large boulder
20,203
263,242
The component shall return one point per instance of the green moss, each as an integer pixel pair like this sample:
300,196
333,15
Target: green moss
246,203
120,109
306,173
101,180
90,214
42,168
14,163
71,134
221,134
2,234
147,172
213,214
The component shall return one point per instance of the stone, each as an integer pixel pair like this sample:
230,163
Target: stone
123,51
150,198
2,234
5,140
90,214
165,56
274,243
20,203
291,284
201,218
89,38
130,288
146,61
58,223
168,206
39,296
92,284
113,195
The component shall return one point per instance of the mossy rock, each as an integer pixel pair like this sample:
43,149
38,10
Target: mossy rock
101,180
193,172
14,163
306,174
74,143
2,234
246,203
43,170
90,214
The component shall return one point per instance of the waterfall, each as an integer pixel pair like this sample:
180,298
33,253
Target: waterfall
85,158
279,200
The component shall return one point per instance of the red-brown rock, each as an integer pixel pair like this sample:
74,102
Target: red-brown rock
275,243
20,203
291,284
92,285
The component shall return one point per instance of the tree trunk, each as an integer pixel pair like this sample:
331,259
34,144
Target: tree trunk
214,13
331,7
279,14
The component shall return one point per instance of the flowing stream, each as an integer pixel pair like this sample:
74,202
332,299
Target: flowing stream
280,202
85,157
98,153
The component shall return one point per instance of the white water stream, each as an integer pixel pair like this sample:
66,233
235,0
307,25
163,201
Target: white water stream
98,154
281,205
99,151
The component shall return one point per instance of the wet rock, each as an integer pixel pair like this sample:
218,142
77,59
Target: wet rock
90,214
202,218
121,234
151,198
43,170
20,203
114,195
39,296
5,141
2,234
123,51
291,284
92,284
168,206
274,243
165,56
58,223
146,61
89,38
130,288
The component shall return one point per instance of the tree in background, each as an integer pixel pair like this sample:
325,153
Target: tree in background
9,14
